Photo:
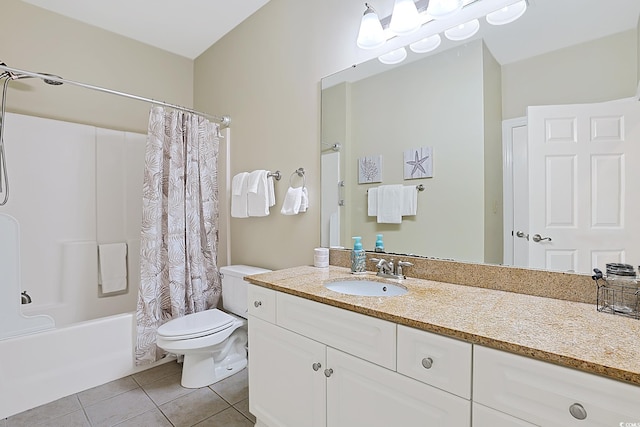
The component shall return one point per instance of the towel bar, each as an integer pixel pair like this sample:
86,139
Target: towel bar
419,187
275,175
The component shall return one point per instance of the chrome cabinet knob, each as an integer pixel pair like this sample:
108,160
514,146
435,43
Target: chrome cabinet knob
257,304
328,372
577,411
427,362
316,366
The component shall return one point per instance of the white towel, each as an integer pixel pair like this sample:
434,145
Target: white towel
304,200
390,204
372,202
292,201
112,267
258,194
239,187
409,200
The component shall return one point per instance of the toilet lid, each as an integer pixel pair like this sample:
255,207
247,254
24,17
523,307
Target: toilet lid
195,325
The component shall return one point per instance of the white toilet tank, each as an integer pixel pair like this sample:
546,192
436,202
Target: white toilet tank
234,287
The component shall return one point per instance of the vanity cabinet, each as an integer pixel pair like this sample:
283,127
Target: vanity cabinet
549,395
318,365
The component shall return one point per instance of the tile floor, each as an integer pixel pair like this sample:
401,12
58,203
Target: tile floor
152,398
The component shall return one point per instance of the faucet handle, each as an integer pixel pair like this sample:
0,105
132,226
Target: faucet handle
400,265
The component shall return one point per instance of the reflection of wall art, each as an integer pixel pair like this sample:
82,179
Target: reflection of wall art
418,163
369,169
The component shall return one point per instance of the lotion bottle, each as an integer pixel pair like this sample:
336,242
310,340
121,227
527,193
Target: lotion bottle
358,257
379,244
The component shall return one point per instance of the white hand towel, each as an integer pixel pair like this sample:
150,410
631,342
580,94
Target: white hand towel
390,204
239,187
272,191
292,201
112,267
304,200
372,202
409,200
257,193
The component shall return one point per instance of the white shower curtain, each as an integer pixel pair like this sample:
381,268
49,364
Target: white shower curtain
179,240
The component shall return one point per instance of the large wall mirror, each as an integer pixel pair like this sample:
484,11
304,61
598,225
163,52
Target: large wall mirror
453,105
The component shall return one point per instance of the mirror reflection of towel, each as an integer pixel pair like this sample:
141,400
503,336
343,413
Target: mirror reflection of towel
390,204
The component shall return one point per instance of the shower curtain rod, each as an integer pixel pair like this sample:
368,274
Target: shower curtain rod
225,121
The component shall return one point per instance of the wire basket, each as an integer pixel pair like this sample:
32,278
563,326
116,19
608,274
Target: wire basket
620,296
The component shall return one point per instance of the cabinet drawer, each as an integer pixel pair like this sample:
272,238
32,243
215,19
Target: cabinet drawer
262,303
547,394
363,336
436,360
487,417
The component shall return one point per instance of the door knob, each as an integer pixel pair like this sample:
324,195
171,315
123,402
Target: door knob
538,238
328,372
522,235
316,366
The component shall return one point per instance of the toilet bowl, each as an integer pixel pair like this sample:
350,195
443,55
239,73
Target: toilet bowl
213,342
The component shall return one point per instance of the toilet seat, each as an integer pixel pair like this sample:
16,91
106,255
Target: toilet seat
195,325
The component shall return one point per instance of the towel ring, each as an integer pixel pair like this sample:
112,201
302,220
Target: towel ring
300,173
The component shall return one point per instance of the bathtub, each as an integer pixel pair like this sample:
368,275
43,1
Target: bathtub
43,367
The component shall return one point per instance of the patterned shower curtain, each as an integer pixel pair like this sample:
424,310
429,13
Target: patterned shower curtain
179,241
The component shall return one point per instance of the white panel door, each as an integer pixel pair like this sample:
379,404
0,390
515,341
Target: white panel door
583,166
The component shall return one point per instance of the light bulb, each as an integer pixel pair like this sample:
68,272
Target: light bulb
426,45
394,57
404,19
371,34
463,31
507,14
442,9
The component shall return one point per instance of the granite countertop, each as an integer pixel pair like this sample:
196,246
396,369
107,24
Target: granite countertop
566,333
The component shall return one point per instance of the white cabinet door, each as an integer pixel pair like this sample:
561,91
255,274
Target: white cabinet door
487,417
284,388
361,394
551,395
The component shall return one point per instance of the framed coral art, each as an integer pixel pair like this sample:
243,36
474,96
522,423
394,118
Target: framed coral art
418,163
369,169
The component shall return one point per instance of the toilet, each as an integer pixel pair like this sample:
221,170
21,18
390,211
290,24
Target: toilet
213,342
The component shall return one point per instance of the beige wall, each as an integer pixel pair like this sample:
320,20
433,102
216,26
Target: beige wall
35,39
596,71
493,200
266,74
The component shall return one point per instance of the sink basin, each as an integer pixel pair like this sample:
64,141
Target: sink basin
367,288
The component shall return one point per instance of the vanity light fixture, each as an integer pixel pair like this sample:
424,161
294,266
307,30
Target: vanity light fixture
463,31
404,19
419,22
426,44
443,9
371,34
507,14
396,56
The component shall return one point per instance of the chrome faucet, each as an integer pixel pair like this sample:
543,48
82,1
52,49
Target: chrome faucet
390,270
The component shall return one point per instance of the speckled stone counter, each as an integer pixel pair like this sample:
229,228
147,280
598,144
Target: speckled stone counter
567,333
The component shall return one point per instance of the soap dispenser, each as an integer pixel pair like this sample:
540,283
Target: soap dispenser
379,244
358,257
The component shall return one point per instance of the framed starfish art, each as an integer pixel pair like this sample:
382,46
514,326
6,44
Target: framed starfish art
418,163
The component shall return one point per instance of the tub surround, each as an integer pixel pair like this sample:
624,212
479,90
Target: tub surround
557,330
